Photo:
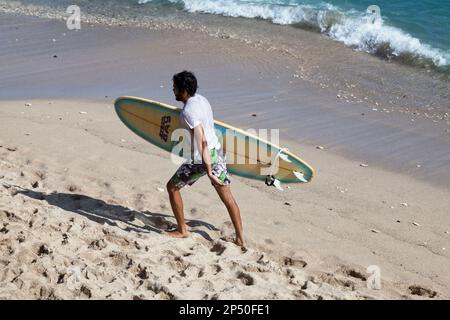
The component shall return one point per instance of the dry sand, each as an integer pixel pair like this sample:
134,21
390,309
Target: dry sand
80,193
83,201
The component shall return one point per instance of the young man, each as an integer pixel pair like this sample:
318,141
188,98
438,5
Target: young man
197,117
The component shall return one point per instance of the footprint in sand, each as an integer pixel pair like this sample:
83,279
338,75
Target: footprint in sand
301,294
40,174
44,250
421,291
347,271
86,291
218,248
10,216
295,262
72,188
335,280
4,229
217,268
21,237
98,244
160,291
247,279
120,259
47,293
143,273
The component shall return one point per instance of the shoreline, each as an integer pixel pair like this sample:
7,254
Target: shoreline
401,139
346,206
149,15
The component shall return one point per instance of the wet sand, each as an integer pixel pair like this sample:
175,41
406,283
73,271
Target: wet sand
92,170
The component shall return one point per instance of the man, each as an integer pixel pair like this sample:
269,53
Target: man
197,117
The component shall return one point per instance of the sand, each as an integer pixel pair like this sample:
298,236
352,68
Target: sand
83,204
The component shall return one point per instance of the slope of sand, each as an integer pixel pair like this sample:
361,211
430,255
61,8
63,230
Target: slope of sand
83,205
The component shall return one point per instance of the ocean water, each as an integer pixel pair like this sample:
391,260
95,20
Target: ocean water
413,32
417,32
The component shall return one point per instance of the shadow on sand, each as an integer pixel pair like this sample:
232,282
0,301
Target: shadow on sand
101,212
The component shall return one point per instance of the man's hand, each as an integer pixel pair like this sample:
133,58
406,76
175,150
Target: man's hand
214,180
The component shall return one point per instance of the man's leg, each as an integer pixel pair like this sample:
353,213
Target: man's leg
176,203
227,198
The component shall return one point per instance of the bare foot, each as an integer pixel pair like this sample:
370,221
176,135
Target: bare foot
239,242
177,234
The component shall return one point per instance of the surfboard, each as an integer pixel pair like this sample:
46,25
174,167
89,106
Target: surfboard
155,122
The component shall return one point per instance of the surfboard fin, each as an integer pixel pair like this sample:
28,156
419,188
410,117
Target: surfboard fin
300,176
285,157
271,181
277,184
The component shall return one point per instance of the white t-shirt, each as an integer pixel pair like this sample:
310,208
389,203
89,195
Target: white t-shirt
197,110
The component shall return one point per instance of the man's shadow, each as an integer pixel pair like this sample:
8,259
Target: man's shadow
101,212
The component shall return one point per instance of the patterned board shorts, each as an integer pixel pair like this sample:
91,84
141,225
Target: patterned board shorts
190,172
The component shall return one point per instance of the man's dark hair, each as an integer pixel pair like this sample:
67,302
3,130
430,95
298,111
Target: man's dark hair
186,81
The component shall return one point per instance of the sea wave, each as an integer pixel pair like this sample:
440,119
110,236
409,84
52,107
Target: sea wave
361,31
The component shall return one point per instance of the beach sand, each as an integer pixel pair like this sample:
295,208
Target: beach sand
83,203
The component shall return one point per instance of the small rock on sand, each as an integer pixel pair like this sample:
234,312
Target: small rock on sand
320,147
363,165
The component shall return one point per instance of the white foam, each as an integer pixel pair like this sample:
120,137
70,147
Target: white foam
366,35
287,13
